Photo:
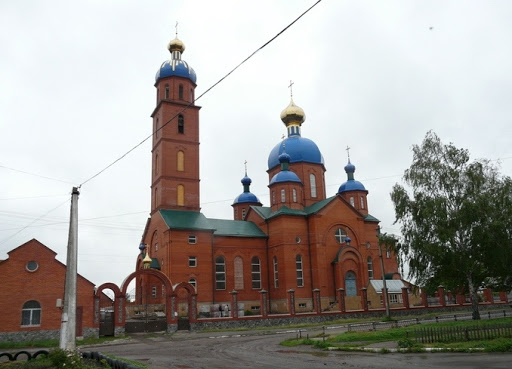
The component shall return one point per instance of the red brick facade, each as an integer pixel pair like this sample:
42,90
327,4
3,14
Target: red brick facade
31,273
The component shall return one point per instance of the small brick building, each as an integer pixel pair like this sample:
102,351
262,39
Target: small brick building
32,293
305,240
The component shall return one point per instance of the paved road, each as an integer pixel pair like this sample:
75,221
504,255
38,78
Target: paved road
262,351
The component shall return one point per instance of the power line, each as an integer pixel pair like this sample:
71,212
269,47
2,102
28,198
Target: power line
200,96
36,175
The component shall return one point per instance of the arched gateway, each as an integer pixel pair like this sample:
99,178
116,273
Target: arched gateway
152,310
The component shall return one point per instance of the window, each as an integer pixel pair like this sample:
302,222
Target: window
283,195
157,126
156,164
273,197
156,197
352,201
220,273
302,305
166,91
192,95
180,92
180,200
239,273
181,124
298,267
395,298
193,282
192,261
362,202
256,272
370,267
340,235
32,266
243,213
350,284
180,161
294,195
153,292
31,313
388,254
312,183
276,274
192,239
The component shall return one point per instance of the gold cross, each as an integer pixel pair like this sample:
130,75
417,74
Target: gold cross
290,87
348,152
176,28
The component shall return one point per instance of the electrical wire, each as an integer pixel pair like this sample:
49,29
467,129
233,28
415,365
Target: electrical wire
200,96
36,175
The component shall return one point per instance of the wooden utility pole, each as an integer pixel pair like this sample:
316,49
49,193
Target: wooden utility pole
68,321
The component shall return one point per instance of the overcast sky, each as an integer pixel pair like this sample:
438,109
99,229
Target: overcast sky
76,93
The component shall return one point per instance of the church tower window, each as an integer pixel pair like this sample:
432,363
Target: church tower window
283,195
180,195
180,165
181,124
300,275
352,201
220,273
243,214
276,274
256,272
180,92
362,202
239,273
312,183
166,92
370,267
294,195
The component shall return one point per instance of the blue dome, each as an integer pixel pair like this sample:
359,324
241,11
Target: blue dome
177,68
351,185
350,168
284,176
245,197
299,149
246,180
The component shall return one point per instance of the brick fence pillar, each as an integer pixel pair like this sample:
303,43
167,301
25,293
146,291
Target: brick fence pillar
488,295
405,298
341,299
234,303
364,298
424,298
316,301
503,296
263,302
291,302
440,292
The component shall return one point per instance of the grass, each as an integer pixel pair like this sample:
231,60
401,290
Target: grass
357,340
55,343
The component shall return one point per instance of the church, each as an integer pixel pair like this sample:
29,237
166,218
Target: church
305,240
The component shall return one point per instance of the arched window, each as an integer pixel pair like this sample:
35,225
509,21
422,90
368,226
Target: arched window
156,164
256,272
340,235
243,213
180,165
312,183
298,267
294,195
156,197
370,267
350,284
283,195
191,95
31,313
276,274
181,124
180,92
154,240
273,197
193,282
239,273
220,273
362,202
157,125
352,201
180,195
166,91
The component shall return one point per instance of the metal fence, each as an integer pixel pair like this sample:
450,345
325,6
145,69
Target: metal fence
457,334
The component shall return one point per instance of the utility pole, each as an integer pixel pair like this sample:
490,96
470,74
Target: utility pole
385,297
68,320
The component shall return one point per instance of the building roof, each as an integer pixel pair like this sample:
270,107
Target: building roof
393,285
193,220
299,148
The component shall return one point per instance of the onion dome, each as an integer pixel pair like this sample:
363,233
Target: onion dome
299,149
285,175
176,66
142,247
351,184
246,196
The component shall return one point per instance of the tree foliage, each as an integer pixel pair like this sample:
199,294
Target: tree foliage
457,223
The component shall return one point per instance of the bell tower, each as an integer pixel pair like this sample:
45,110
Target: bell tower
175,153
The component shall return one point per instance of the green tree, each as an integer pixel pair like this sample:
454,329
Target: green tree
457,224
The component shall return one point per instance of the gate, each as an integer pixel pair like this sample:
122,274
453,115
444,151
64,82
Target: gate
107,323
183,324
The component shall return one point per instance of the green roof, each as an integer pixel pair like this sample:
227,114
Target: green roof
193,220
371,218
196,221
317,206
238,228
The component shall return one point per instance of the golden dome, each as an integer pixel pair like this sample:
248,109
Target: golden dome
176,45
293,114
146,261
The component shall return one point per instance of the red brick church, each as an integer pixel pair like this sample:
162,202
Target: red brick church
304,240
